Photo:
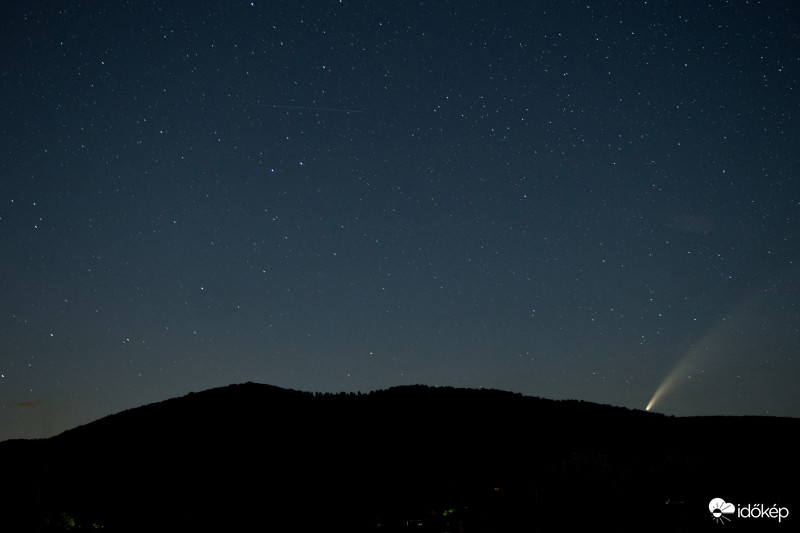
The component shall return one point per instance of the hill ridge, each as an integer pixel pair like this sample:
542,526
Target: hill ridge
309,460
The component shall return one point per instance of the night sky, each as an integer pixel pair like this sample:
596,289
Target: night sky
573,200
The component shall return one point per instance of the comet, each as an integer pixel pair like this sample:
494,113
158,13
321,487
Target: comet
722,342
672,379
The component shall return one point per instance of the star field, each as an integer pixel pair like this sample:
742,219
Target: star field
562,199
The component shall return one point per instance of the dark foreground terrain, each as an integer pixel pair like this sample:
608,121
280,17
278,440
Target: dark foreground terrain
259,458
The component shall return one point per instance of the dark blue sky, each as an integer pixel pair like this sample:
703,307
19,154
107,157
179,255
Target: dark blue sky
563,199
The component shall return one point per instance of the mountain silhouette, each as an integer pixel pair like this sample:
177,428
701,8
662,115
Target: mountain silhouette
258,457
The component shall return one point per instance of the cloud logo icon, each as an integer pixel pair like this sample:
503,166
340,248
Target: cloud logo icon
719,508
